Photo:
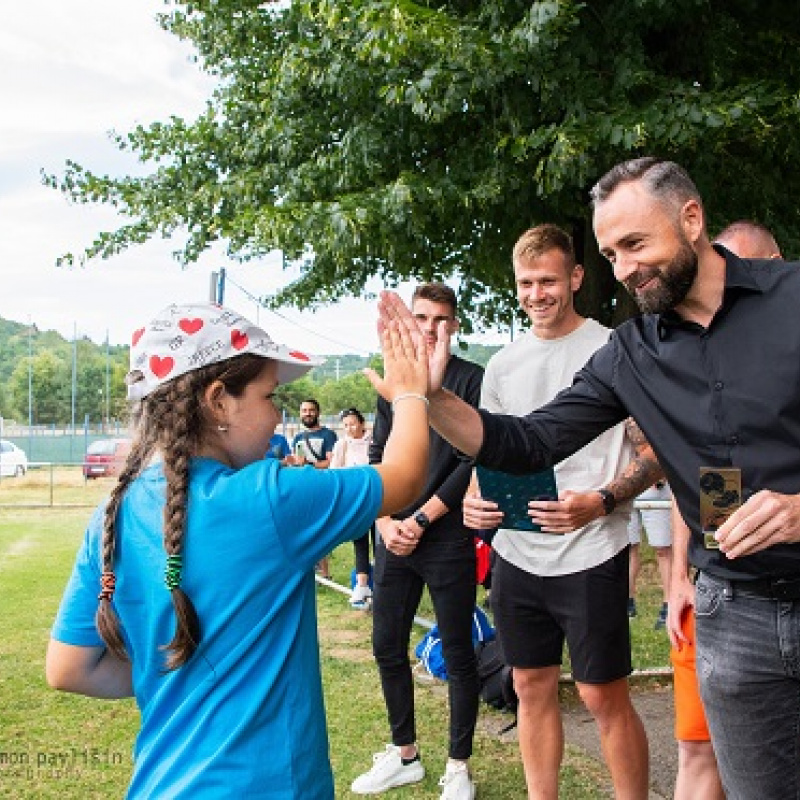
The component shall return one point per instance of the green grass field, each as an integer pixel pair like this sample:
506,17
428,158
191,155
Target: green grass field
54,745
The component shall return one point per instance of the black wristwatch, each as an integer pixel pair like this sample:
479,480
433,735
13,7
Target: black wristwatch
609,501
422,519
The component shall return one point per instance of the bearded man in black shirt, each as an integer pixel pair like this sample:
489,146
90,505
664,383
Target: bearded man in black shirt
711,373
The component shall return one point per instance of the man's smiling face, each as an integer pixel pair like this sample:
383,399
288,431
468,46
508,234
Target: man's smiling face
650,253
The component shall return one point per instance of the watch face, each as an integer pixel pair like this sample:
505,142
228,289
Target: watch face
421,518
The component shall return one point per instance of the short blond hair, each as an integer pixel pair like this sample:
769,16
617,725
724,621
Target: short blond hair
543,238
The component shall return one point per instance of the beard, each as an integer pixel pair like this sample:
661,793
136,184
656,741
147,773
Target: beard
671,285
310,422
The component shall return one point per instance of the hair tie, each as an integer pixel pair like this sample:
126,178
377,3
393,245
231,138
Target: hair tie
172,574
108,581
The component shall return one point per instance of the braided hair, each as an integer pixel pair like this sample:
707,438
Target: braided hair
170,421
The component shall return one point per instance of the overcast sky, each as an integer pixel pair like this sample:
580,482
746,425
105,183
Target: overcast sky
70,72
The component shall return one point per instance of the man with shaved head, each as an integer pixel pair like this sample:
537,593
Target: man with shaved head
749,240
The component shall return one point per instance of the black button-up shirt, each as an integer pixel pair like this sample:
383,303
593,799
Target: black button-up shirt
727,395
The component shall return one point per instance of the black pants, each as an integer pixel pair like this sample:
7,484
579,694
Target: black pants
361,549
448,570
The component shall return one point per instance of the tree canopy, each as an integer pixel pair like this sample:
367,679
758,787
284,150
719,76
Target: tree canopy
414,140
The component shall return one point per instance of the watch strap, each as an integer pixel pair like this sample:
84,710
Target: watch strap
609,501
422,519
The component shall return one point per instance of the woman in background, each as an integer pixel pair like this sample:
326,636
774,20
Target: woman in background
350,451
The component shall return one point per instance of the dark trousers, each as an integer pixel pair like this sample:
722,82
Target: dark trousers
361,549
448,570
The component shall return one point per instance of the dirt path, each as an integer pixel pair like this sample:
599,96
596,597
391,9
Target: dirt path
654,705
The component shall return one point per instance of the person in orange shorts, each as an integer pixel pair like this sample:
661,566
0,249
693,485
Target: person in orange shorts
698,776
690,719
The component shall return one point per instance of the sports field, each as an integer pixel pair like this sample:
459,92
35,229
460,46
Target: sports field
54,745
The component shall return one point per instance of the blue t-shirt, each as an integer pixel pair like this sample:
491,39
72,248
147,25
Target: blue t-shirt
245,715
278,447
317,445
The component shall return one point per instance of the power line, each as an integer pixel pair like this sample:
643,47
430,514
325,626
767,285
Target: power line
305,328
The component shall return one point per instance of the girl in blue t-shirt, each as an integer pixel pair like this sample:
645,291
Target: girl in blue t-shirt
203,557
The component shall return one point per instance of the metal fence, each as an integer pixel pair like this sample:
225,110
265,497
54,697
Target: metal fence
61,444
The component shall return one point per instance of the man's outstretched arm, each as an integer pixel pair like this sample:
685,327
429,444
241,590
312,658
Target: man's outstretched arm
517,444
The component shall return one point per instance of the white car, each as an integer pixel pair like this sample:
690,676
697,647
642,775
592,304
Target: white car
13,461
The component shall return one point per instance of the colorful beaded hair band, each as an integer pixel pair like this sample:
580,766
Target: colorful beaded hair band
172,574
107,581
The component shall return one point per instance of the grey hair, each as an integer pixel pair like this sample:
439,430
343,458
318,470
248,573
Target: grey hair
665,180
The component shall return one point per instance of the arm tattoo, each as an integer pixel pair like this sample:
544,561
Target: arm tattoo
634,433
642,472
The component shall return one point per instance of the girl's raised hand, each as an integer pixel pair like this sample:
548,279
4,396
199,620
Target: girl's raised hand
391,308
405,361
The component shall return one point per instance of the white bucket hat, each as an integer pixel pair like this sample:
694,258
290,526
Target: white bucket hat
185,337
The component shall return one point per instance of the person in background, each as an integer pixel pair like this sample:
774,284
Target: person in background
426,544
350,451
655,522
278,447
203,556
749,239
698,775
568,582
314,446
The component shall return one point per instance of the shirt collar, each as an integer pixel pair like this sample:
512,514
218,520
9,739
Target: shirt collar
737,272
738,278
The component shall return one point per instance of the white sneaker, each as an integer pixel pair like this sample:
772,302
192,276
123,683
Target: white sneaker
360,596
456,783
388,771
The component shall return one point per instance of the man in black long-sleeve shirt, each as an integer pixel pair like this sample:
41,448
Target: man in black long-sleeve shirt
427,544
711,373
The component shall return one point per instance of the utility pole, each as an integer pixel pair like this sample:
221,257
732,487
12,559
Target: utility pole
30,381
74,382
216,288
108,389
212,287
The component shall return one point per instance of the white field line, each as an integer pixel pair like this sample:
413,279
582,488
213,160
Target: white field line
17,548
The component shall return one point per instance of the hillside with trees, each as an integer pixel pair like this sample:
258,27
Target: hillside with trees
42,361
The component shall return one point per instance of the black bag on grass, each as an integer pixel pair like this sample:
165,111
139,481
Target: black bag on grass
496,681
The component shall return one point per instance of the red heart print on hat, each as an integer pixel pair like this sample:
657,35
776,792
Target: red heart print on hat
190,326
137,335
161,367
238,339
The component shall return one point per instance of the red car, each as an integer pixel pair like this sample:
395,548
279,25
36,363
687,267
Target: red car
105,457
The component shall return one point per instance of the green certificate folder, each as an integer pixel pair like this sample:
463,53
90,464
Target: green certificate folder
512,493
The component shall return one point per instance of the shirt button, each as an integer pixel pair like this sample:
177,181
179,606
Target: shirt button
733,440
718,386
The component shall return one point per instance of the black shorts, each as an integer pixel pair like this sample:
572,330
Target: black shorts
535,615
